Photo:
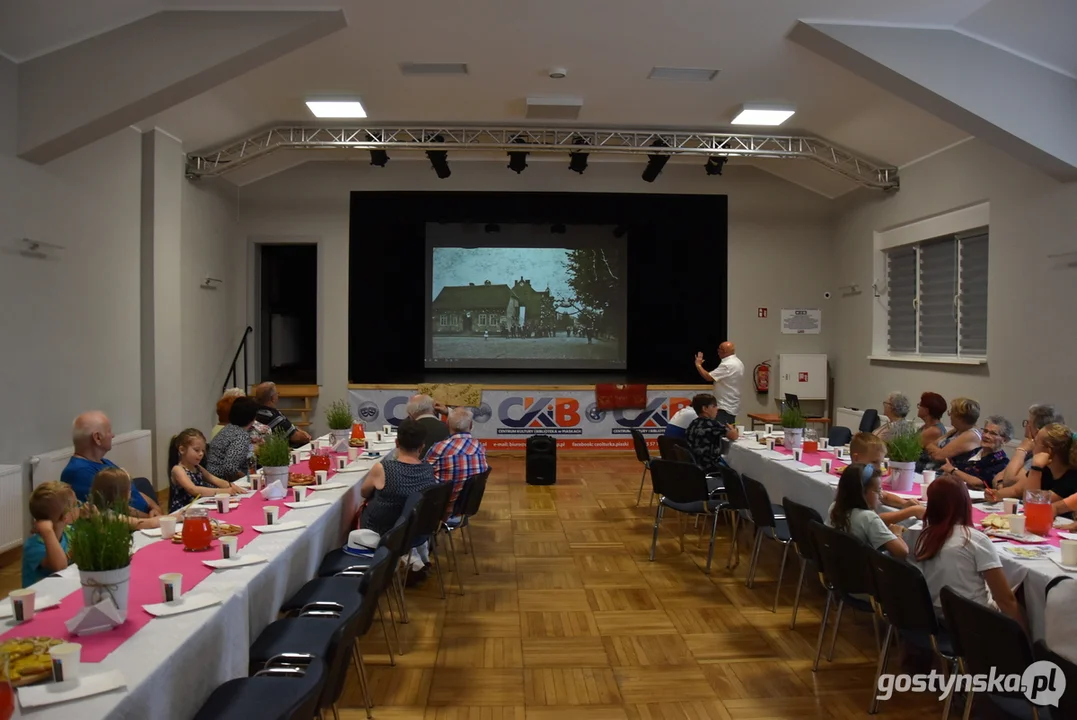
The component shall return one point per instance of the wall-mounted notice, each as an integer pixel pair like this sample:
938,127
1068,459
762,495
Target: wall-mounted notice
801,321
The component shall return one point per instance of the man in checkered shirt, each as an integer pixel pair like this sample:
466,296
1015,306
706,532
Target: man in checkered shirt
459,456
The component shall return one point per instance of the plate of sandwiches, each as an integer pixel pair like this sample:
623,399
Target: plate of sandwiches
220,529
998,526
27,659
300,479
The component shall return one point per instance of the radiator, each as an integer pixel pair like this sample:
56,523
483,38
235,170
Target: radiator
133,451
13,511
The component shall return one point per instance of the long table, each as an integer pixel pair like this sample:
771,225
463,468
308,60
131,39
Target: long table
785,478
172,664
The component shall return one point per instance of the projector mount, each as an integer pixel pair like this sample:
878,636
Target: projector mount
532,139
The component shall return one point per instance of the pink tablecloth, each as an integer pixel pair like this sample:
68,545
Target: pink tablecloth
147,565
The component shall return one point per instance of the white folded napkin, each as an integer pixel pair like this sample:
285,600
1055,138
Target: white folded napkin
41,602
1068,535
85,686
976,495
317,502
804,467
273,491
280,527
238,561
156,532
326,486
186,604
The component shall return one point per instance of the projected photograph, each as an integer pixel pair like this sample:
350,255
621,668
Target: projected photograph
555,306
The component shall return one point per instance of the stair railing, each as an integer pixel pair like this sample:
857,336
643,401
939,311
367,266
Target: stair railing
232,378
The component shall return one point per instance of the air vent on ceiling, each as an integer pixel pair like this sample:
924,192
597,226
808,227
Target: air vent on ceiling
682,74
554,108
410,68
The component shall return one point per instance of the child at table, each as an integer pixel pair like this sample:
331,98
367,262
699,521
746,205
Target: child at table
869,449
52,506
189,479
109,486
853,511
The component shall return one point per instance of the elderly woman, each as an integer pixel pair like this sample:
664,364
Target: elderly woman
1051,466
223,406
1039,417
963,440
895,409
228,454
930,409
983,467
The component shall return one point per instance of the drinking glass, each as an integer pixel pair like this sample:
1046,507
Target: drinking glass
811,441
1039,517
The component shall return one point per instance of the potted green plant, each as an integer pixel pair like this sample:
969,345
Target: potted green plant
275,455
101,543
793,424
904,450
339,418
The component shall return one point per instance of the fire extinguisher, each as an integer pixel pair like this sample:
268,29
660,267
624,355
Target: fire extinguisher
761,375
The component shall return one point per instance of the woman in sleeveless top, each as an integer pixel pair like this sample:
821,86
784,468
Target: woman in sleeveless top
930,409
963,440
390,482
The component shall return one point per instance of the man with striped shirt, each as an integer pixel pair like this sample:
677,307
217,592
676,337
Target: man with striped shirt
459,456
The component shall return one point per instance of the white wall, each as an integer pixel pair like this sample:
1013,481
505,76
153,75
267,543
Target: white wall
1031,299
779,240
70,322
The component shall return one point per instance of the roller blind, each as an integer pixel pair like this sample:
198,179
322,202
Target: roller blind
972,300
901,280
938,297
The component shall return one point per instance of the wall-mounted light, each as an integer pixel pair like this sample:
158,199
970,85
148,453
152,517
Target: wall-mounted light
211,283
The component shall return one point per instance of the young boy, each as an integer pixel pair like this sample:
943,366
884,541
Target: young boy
52,507
870,449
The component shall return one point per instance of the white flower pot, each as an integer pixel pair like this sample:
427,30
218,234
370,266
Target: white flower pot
277,475
101,585
794,437
902,475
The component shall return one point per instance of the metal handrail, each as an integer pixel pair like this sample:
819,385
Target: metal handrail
230,380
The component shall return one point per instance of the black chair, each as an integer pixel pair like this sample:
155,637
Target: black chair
800,518
467,505
286,688
839,436
682,487
903,598
987,641
681,453
428,523
847,578
666,444
769,524
1067,704
643,454
869,421
736,503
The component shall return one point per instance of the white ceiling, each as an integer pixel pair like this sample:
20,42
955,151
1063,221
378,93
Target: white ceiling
608,47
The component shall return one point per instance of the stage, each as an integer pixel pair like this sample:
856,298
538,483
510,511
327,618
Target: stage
509,414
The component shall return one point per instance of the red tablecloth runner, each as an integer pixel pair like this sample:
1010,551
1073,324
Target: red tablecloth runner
147,565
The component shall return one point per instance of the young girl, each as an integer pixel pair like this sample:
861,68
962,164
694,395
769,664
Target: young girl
53,507
189,479
853,511
109,486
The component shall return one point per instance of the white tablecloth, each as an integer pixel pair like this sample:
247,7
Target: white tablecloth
786,478
173,664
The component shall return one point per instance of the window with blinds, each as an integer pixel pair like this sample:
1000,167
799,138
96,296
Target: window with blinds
938,297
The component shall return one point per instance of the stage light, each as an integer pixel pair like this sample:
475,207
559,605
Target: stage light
577,161
379,158
558,229
439,159
492,228
714,165
518,158
655,163
620,231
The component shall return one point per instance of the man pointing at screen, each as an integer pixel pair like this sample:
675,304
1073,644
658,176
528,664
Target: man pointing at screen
727,378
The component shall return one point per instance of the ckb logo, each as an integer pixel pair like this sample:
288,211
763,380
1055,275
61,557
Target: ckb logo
543,412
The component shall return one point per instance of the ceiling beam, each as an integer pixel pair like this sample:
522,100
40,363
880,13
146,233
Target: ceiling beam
533,139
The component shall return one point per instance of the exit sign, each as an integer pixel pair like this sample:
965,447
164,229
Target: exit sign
761,312
802,377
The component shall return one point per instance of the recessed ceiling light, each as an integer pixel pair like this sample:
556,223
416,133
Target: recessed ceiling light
336,108
682,74
769,115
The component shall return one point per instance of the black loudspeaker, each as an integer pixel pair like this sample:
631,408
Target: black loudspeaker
541,460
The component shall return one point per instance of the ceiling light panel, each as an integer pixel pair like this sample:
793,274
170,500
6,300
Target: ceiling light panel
682,74
763,115
336,108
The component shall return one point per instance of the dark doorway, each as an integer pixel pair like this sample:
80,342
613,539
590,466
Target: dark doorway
289,313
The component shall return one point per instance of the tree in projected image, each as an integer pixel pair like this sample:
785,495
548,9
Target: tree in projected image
595,276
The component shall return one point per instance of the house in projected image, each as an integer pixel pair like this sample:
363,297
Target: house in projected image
475,309
539,307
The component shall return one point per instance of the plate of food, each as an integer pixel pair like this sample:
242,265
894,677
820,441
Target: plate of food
220,529
1039,552
27,659
300,479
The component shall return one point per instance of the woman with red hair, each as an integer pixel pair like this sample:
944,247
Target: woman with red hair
930,409
951,552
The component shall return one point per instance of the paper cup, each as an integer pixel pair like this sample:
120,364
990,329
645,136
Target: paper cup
22,604
271,514
824,444
826,464
353,453
229,547
171,587
1010,506
1017,524
168,526
1069,552
295,457
740,429
224,504
387,429
366,443
770,443
768,428
66,661
320,477
929,477
342,462
378,436
298,493
797,454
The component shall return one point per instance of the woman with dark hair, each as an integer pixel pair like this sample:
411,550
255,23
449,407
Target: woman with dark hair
853,511
930,409
390,482
228,455
951,552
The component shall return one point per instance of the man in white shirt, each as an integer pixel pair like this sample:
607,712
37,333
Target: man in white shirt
727,378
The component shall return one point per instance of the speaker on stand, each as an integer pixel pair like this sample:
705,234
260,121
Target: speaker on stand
541,460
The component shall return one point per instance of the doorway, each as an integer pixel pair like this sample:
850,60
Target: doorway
288,313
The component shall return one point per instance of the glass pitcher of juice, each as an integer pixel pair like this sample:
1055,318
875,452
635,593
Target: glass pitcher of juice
197,530
1039,517
320,460
811,441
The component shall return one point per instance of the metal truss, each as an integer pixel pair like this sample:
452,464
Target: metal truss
533,139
